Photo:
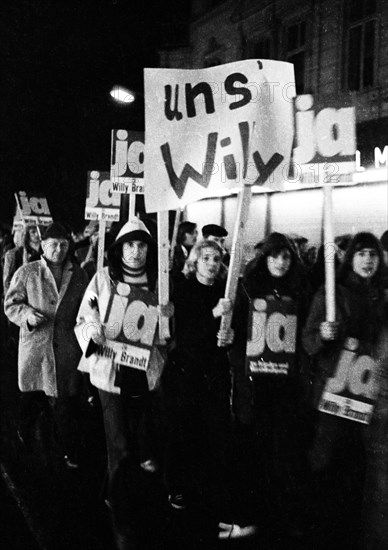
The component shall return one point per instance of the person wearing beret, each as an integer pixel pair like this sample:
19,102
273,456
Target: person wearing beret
43,300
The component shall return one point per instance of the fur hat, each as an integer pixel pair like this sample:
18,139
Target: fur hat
364,240
56,231
275,242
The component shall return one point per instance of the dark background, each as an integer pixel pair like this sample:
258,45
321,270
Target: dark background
59,61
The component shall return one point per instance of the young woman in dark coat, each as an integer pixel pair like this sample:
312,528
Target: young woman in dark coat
197,385
339,447
271,380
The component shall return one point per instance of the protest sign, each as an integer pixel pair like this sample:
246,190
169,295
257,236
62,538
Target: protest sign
127,165
101,202
325,132
33,208
201,123
130,325
325,151
127,162
351,392
271,336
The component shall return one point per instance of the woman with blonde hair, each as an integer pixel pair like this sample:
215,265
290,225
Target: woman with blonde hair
197,385
29,251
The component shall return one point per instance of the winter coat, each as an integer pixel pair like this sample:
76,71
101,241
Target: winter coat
360,312
103,370
248,290
13,259
197,353
49,353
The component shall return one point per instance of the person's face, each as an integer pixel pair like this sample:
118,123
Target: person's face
135,254
365,262
279,265
55,250
190,238
218,240
208,264
34,235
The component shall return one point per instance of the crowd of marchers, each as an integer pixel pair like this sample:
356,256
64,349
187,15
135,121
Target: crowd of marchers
209,394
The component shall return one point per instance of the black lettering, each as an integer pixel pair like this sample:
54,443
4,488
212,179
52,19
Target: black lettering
169,113
244,134
179,183
231,89
265,170
230,167
192,92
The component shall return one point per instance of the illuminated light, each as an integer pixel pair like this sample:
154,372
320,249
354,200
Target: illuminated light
370,175
122,95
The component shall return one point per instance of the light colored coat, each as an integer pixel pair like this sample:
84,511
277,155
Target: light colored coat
103,370
49,353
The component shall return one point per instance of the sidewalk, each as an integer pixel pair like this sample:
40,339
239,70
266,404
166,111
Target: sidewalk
65,509
62,508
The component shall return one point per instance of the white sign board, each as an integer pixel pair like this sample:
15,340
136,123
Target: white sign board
33,207
211,129
101,202
326,141
127,162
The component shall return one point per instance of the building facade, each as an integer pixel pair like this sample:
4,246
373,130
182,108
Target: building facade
338,48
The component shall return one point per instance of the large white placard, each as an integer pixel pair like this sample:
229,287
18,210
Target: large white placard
207,129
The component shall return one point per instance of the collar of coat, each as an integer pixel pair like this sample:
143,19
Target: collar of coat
68,269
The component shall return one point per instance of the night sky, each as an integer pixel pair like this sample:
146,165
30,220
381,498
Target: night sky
59,61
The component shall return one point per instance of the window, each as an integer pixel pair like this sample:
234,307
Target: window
361,47
295,46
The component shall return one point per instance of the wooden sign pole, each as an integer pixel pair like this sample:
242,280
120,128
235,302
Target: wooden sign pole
236,251
163,272
132,205
101,244
175,232
329,250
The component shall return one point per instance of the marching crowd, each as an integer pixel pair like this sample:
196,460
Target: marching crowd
208,399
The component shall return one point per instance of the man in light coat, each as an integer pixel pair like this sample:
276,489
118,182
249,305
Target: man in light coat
43,300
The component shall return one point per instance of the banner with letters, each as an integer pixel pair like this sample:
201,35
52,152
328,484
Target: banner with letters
130,326
351,392
101,202
325,134
33,207
213,129
127,162
271,341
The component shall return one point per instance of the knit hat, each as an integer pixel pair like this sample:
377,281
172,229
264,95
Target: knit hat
364,240
384,240
214,230
56,231
276,242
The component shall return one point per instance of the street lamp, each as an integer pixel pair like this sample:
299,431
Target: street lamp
122,95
